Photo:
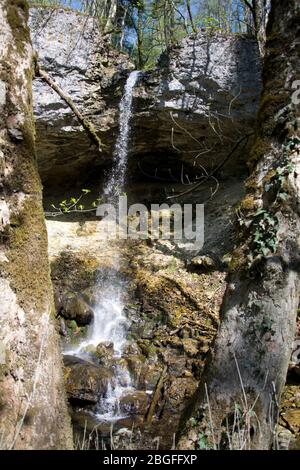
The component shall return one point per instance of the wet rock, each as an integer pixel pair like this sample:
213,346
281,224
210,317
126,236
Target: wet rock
176,362
91,295
131,349
148,349
151,376
147,331
62,328
179,390
86,383
105,352
135,364
203,264
75,308
134,403
190,347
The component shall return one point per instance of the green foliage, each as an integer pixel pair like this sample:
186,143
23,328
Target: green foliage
202,441
74,204
265,225
146,28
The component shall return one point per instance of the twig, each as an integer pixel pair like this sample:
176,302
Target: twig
218,167
210,417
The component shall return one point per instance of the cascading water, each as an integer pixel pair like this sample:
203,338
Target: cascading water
110,323
116,180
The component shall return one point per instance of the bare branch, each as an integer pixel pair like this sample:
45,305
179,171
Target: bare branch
86,124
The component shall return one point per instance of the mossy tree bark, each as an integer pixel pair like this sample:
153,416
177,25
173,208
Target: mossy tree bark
259,12
33,410
237,403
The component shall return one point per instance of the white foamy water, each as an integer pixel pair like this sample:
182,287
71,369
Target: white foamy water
116,179
110,323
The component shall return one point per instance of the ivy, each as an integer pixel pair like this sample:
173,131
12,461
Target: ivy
202,441
265,223
265,227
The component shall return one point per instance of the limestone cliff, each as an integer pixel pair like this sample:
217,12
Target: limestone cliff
210,83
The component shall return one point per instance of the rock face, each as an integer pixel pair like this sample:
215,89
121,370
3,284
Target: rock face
200,101
70,48
210,84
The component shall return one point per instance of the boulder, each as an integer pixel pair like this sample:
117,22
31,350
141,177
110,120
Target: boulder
105,352
134,403
86,383
75,308
203,264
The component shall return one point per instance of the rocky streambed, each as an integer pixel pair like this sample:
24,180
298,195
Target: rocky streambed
171,304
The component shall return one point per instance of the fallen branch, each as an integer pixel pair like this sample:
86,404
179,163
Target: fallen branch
155,397
86,124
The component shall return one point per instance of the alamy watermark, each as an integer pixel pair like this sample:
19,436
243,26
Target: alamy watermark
296,94
182,223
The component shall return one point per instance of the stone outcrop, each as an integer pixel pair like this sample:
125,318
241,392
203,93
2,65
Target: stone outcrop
83,64
200,101
210,83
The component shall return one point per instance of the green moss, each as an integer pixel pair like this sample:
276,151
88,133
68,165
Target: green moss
259,149
18,23
238,261
270,105
78,271
248,204
28,267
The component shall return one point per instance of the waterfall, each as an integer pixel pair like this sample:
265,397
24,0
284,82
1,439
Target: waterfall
110,323
115,183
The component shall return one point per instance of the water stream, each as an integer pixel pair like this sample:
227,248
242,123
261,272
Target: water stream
110,323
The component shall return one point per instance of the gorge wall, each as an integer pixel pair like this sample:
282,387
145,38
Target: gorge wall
195,110
210,83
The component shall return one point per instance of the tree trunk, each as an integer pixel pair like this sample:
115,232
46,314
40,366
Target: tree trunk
259,11
33,410
236,405
189,10
112,15
140,38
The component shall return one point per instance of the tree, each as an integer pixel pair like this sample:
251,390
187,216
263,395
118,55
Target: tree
237,403
259,10
33,411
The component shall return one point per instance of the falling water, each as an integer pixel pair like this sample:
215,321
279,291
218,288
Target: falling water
110,323
116,180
